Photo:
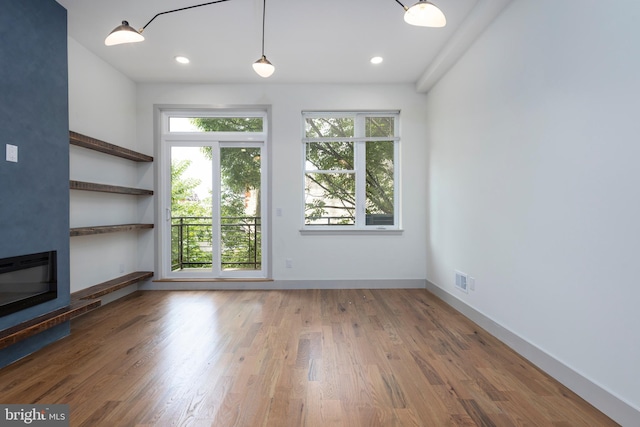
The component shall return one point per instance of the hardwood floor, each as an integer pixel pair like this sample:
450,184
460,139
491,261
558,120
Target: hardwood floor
289,358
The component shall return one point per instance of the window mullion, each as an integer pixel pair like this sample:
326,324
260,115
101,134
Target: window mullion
215,209
361,183
360,166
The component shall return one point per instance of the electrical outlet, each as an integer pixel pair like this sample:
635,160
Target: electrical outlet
472,283
121,267
288,263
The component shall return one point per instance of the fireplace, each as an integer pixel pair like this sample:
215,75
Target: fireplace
27,280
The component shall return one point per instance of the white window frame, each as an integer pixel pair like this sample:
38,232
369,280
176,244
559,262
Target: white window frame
359,139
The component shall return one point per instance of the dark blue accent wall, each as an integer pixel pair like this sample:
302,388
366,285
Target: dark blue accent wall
34,193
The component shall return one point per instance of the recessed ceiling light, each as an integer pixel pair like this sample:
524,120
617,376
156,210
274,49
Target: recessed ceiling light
376,60
182,59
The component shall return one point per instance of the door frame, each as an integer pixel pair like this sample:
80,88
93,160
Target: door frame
166,140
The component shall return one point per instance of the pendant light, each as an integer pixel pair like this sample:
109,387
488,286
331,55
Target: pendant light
262,66
425,14
123,33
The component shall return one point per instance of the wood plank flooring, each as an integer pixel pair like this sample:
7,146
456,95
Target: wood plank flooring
289,358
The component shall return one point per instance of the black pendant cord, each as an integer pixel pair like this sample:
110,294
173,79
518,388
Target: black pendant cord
264,6
182,8
403,6
264,12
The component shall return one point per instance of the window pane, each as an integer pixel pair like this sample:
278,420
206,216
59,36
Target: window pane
329,156
329,127
330,199
215,124
379,127
379,188
240,223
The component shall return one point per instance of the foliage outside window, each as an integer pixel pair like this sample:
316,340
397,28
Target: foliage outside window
350,170
216,124
240,231
190,220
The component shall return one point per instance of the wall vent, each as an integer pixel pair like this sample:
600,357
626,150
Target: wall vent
462,281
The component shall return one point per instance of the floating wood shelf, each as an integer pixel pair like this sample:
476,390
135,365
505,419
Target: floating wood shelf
35,326
114,150
81,302
103,229
105,188
104,147
113,285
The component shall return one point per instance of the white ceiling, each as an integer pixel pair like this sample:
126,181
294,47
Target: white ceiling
321,41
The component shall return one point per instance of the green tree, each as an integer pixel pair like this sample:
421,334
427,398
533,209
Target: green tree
339,188
240,173
184,200
240,168
190,220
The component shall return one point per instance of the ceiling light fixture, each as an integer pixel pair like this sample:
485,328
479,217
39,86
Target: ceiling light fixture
182,59
424,14
127,34
123,33
376,60
262,66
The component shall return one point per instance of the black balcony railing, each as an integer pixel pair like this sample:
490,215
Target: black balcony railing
192,243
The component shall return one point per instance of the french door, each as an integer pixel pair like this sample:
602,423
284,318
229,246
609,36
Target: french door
212,206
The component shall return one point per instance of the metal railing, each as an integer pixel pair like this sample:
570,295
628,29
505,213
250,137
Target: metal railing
370,219
192,242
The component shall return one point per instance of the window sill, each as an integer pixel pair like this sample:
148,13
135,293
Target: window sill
351,232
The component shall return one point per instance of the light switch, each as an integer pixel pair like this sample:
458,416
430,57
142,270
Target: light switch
12,153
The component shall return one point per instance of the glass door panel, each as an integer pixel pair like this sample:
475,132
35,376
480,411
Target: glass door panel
192,248
240,208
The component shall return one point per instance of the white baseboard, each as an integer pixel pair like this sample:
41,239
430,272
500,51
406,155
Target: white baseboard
285,284
614,407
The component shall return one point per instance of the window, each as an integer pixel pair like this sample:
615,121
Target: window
231,123
350,170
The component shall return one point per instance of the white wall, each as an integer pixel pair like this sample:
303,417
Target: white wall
101,105
320,257
534,183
